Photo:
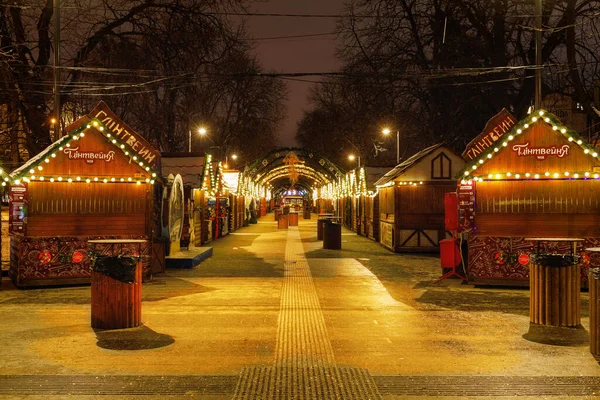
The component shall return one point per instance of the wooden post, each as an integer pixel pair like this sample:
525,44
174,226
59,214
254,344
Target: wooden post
594,282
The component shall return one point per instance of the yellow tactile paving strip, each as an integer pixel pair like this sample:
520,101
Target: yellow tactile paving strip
304,365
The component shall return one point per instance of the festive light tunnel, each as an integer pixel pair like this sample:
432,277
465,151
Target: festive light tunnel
286,168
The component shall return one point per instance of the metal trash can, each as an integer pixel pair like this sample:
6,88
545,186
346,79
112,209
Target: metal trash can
594,283
332,236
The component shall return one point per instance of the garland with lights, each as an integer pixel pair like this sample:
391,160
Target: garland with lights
32,170
539,117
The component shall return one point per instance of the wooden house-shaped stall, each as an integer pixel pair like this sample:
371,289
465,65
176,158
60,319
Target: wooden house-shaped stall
369,203
96,182
215,204
411,199
539,179
3,178
231,184
182,227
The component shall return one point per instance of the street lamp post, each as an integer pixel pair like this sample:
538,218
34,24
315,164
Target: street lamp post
386,131
201,131
352,157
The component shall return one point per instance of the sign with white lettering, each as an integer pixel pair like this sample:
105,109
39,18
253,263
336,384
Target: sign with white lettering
495,128
89,156
144,151
17,212
540,153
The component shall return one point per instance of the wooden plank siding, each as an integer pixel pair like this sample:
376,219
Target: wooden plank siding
81,209
534,208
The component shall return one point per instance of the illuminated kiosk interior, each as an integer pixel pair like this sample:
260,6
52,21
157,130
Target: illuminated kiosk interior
540,179
96,182
294,169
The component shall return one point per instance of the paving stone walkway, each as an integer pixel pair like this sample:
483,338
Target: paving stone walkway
304,365
272,315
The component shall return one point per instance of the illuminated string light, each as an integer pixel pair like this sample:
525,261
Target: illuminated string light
63,143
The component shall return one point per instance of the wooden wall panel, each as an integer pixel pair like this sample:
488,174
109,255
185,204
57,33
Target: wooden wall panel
538,225
87,198
386,200
93,142
540,135
86,225
547,196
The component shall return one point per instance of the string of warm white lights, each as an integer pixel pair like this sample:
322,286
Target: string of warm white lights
32,170
350,185
541,116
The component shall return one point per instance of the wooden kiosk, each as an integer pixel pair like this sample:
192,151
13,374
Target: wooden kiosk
538,179
411,200
368,204
96,182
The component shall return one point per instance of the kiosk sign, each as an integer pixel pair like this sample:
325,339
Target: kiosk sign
540,153
17,213
137,143
493,131
89,156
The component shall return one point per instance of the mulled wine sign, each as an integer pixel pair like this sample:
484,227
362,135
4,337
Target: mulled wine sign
495,128
137,143
74,153
541,153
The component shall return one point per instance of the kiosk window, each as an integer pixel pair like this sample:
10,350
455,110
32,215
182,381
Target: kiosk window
441,167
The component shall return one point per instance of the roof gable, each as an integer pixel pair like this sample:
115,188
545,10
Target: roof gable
415,162
538,147
53,163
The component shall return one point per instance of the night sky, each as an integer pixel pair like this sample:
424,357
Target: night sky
308,54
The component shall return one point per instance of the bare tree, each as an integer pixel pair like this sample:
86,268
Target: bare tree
438,69
159,63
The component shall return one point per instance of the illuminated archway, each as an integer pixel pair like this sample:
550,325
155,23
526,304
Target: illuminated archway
272,173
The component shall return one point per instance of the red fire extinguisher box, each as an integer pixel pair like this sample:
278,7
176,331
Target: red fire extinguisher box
449,253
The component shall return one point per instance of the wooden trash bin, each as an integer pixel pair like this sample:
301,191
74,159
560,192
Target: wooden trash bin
332,236
554,281
116,287
306,213
277,214
594,282
282,222
293,219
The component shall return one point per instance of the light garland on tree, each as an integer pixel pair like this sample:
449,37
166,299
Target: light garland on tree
541,116
33,169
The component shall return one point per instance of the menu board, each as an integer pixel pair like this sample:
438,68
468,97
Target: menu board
466,206
17,212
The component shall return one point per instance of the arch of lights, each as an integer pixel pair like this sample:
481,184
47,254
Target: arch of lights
317,176
269,174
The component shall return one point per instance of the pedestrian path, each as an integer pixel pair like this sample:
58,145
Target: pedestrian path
304,366
273,315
